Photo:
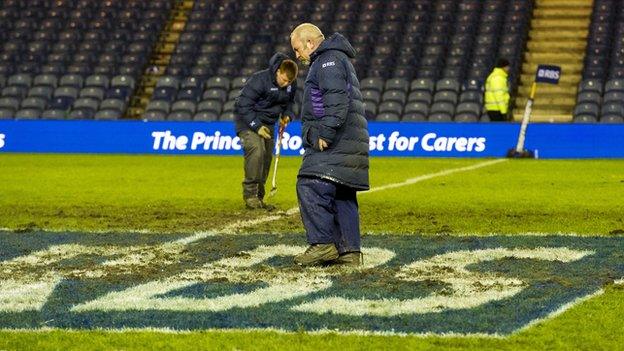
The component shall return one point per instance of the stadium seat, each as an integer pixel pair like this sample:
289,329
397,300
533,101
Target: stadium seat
239,82
422,84
372,84
96,93
468,112
397,84
441,112
587,111
227,116
390,107
387,117
612,111
218,83
158,105
471,96
97,80
589,97
180,115
398,96
36,103
18,92
371,95
614,85
28,113
6,113
591,85
192,83
113,104
184,105
447,85
417,111
71,80
9,103
215,94
48,80
168,82
20,80
155,115
41,91
108,115
370,108
206,116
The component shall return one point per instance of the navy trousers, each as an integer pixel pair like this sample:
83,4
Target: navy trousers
329,212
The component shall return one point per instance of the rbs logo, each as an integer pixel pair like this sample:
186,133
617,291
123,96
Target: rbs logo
548,74
545,73
1,141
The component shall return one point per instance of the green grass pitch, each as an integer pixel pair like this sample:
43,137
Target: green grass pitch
164,194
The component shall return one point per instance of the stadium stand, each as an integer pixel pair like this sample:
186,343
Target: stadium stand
399,43
420,60
600,95
58,57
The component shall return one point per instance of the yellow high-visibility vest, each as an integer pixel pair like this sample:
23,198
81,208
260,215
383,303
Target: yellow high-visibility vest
497,91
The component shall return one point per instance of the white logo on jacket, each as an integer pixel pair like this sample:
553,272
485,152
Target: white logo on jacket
328,64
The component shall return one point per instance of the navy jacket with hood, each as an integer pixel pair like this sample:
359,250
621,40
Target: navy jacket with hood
332,109
262,101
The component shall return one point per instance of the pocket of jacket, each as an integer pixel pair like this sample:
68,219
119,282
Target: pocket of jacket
311,137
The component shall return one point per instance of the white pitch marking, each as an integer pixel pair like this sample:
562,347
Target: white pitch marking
234,227
17,296
467,289
434,175
281,285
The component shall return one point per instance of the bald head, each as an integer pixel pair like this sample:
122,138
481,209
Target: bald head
307,32
304,39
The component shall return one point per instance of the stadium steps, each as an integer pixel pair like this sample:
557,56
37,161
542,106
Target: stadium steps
558,36
165,46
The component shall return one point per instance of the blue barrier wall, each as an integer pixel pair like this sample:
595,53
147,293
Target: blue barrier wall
387,139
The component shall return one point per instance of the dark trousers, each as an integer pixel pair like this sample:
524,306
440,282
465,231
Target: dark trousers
497,116
258,156
329,212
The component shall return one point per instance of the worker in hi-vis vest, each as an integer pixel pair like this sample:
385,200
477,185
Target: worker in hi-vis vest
497,92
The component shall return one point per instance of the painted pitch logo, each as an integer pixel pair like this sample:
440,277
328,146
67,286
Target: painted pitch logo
491,285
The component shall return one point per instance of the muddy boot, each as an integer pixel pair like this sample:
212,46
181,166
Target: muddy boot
355,258
253,203
317,254
267,207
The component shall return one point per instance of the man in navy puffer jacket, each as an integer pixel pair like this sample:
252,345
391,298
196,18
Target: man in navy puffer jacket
335,138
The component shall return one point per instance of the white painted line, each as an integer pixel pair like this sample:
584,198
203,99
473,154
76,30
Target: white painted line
434,175
558,311
565,307
232,228
258,330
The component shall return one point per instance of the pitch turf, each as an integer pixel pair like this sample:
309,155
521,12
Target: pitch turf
189,194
